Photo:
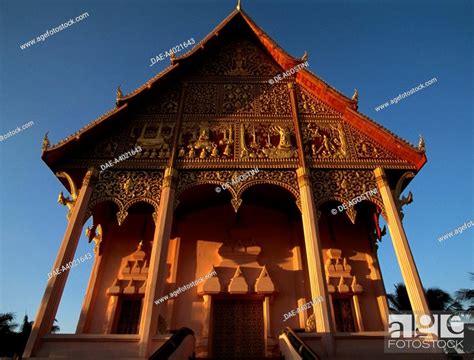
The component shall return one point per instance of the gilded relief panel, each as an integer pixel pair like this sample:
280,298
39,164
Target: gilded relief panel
126,188
274,100
155,138
325,140
267,141
240,57
204,141
310,106
344,185
366,149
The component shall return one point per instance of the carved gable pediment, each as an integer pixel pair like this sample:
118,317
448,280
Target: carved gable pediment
239,57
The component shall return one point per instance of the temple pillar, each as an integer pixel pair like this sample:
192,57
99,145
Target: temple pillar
158,264
402,248
380,293
300,285
55,287
315,258
84,318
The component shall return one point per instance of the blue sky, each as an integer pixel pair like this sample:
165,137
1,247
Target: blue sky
382,48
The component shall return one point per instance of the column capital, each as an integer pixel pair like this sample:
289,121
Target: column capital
170,178
91,177
303,175
380,176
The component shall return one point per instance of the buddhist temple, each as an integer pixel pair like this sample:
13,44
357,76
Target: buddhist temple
248,191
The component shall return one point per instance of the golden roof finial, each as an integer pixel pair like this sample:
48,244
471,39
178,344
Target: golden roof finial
305,56
46,144
238,5
421,144
119,94
355,97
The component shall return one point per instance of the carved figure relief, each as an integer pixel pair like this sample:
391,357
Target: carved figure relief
239,57
206,141
325,142
154,139
263,140
310,105
366,148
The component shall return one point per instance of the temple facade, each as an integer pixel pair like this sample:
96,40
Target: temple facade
240,198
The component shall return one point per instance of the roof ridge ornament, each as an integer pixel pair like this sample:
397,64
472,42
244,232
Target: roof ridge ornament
355,96
46,144
305,56
238,5
421,144
119,95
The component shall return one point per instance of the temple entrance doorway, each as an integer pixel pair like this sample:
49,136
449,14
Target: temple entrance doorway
238,329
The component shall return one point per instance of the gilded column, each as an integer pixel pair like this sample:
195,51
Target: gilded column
55,287
157,269
402,248
314,252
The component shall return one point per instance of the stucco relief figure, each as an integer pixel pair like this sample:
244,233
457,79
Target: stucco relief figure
333,142
128,185
326,148
285,139
366,149
284,149
260,148
206,141
227,140
203,139
239,64
158,144
245,152
340,141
